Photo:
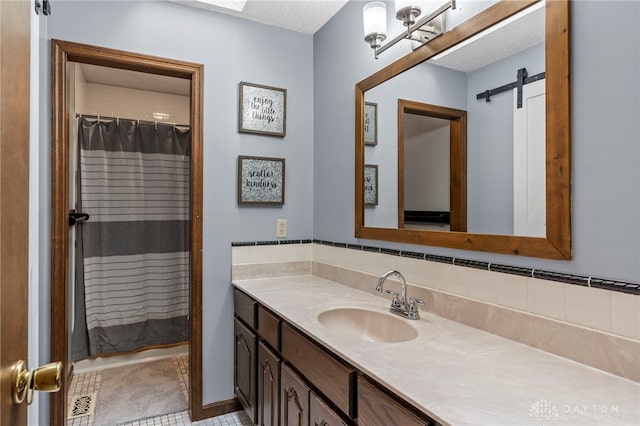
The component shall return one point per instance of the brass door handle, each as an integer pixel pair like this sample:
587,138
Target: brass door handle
47,378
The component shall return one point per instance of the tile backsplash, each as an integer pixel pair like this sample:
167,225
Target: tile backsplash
548,314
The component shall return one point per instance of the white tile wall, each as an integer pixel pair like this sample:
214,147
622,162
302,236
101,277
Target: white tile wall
426,274
270,254
590,307
512,291
599,309
458,280
625,315
482,286
546,298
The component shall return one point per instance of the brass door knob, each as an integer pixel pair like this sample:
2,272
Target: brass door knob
47,378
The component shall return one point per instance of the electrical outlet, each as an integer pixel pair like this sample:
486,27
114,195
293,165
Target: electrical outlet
281,228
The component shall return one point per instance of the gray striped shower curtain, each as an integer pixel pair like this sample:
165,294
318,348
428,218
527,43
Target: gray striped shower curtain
134,251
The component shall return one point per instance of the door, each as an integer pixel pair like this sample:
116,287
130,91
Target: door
294,399
268,386
15,35
245,369
529,157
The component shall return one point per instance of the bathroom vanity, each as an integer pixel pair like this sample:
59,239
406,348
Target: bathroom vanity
303,356
301,382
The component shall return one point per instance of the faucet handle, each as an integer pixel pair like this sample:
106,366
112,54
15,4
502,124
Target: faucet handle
396,297
416,301
413,301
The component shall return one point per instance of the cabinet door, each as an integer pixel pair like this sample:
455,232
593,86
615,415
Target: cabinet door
376,408
321,415
294,399
244,376
268,386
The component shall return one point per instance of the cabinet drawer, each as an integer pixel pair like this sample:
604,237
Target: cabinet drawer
294,399
324,372
245,308
269,327
321,415
376,408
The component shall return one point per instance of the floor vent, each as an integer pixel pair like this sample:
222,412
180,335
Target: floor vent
82,405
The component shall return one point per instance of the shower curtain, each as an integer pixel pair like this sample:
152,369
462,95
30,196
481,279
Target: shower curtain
133,262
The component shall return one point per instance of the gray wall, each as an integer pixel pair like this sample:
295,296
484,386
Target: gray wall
605,134
490,142
232,50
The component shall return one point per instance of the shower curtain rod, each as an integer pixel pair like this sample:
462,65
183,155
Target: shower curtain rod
100,117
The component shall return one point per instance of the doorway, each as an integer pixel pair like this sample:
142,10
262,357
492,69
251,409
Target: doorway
63,126
428,137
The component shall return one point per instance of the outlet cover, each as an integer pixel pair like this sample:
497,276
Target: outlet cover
281,228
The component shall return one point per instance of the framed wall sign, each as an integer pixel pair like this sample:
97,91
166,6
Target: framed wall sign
262,110
370,123
370,185
260,180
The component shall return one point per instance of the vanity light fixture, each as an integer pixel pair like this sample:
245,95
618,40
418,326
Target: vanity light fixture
420,31
374,20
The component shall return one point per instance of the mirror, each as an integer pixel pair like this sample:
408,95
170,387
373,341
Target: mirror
455,170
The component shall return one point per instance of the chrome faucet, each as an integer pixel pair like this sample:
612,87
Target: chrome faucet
399,304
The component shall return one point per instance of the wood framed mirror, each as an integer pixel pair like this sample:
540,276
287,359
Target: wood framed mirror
554,240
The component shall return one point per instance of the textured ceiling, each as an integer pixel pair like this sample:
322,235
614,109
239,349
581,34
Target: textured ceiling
305,16
518,33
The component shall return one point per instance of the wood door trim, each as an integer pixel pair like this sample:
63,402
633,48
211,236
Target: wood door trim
62,53
221,407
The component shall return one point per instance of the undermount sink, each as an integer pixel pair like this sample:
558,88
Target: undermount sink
367,325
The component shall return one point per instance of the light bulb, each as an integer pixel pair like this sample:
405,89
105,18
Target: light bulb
374,19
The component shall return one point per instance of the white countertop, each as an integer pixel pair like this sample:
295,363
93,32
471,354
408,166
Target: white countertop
456,374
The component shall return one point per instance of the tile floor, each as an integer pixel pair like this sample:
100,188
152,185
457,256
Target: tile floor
87,383
238,418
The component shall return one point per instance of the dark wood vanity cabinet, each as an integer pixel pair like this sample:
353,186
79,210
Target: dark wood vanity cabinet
333,378
245,309
269,328
268,387
294,399
377,408
244,376
321,415
284,378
